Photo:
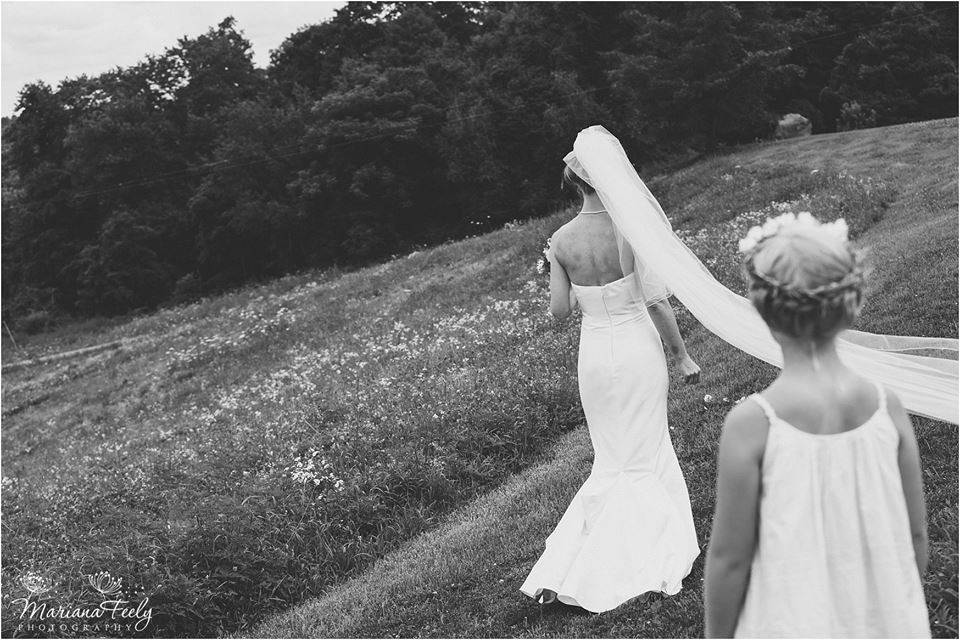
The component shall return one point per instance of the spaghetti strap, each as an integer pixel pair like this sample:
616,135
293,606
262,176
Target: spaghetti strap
767,408
881,397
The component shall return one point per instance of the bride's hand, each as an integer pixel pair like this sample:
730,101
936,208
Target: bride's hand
690,370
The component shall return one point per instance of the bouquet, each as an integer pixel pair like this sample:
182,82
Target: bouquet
543,263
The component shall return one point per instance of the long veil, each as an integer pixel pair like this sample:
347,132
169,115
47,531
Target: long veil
927,386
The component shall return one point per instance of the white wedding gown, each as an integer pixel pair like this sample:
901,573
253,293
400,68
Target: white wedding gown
629,528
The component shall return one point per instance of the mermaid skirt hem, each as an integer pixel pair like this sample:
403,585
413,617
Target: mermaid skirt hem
622,535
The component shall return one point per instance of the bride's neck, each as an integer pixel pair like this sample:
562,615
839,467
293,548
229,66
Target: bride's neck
592,202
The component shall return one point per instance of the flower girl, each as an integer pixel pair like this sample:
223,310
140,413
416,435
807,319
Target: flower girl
820,526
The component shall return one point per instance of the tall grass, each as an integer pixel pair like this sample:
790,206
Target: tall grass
249,454
250,451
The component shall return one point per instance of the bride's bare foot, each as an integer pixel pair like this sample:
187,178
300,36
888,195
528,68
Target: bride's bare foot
551,605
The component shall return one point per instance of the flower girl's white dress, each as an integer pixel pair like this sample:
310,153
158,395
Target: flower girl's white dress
629,529
834,555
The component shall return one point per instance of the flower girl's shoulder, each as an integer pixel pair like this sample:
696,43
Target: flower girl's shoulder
745,430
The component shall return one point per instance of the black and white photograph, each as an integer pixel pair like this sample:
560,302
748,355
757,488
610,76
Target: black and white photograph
479,319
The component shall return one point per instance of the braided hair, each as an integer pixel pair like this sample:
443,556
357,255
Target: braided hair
805,283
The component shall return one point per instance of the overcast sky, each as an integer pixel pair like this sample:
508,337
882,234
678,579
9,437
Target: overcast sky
51,41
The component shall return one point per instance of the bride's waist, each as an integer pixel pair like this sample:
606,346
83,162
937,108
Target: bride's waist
604,320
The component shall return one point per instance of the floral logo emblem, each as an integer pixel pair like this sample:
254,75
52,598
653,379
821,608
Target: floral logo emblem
106,584
35,583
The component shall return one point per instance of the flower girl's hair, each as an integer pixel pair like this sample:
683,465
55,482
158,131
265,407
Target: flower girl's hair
803,277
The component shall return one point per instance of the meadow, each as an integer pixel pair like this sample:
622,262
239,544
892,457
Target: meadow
382,452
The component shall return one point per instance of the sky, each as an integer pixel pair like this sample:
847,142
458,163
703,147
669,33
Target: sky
51,41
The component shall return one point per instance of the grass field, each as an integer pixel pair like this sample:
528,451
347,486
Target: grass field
382,453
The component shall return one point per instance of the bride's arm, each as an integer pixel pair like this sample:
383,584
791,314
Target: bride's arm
660,310
666,323
562,298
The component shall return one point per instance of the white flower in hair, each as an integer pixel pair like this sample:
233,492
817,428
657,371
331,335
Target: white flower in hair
837,229
754,236
770,227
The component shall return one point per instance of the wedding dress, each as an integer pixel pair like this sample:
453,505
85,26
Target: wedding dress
629,528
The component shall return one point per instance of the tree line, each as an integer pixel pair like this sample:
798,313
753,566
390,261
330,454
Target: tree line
401,124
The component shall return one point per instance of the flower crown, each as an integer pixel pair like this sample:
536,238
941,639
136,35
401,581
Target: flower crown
853,280
773,226
838,229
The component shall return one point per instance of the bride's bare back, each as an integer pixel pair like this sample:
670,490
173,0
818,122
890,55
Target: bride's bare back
586,248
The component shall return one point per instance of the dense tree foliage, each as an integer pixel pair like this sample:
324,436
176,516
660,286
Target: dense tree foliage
399,124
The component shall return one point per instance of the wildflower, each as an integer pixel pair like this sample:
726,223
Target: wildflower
543,263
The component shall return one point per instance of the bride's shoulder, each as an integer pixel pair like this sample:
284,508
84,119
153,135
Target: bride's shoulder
563,232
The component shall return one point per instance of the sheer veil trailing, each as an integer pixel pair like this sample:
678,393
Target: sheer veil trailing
927,386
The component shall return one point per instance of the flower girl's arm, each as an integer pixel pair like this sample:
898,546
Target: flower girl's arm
734,537
911,475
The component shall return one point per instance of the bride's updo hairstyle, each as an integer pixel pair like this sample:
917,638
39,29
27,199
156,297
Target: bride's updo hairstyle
803,277
575,183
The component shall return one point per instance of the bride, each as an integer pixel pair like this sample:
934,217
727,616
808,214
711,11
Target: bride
629,528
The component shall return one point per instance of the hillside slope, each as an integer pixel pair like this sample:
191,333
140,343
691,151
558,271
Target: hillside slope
462,579
399,440
245,451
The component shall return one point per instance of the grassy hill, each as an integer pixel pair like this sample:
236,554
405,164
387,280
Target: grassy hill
390,447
